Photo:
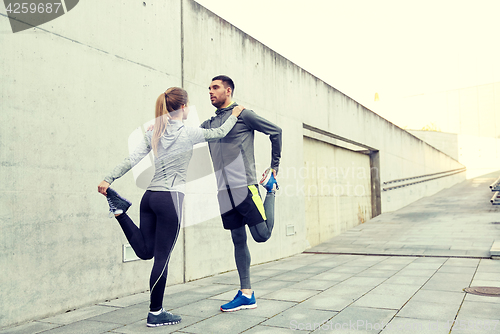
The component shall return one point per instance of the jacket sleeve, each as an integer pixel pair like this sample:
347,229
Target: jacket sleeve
205,125
198,135
258,123
133,159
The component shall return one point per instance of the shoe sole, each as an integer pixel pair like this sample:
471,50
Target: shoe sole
124,202
164,324
242,307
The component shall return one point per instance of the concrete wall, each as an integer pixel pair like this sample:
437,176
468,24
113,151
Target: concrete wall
445,142
337,189
480,154
72,92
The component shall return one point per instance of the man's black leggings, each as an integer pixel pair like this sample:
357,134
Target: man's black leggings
260,233
160,218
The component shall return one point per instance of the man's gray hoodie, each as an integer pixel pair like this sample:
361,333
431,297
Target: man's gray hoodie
233,156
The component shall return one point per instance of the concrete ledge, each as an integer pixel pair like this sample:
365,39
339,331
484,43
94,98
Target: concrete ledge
495,250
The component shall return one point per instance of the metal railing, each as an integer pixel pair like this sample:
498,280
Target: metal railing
495,186
427,176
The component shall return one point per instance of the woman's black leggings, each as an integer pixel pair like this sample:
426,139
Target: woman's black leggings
160,215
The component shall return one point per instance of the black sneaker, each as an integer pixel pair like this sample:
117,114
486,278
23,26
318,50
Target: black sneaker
117,204
164,318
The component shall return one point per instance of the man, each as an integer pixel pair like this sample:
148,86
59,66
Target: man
239,200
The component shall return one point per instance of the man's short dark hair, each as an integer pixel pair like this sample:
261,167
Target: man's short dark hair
226,81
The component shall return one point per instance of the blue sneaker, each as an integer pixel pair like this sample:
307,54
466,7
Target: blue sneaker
117,204
164,318
239,302
268,181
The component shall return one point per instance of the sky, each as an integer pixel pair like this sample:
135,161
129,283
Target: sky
394,48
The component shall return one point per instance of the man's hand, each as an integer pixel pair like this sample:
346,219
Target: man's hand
102,187
274,173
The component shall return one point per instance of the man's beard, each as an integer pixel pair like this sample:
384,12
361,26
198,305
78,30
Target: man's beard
217,104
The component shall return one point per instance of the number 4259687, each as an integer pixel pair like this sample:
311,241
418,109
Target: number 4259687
24,8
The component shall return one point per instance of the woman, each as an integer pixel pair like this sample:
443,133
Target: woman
161,205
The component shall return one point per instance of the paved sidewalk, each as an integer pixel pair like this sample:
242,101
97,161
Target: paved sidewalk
341,293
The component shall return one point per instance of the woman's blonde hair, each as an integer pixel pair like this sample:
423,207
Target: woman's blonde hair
169,102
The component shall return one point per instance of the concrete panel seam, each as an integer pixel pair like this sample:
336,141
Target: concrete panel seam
94,48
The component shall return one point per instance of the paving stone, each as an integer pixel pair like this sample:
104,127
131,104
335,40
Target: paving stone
171,289
482,299
300,316
400,325
203,308
417,272
79,314
377,273
366,261
482,276
287,266
400,260
394,266
225,322
361,320
475,326
262,329
347,290
293,276
463,262
292,295
268,308
477,282
31,327
368,281
479,310
488,268
431,311
349,269
270,284
444,297
407,290
402,279
212,290
182,298
128,300
329,263
84,327
266,272
430,260
423,265
328,302
312,269
465,278
442,285
381,301
126,315
310,284
332,276
452,269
